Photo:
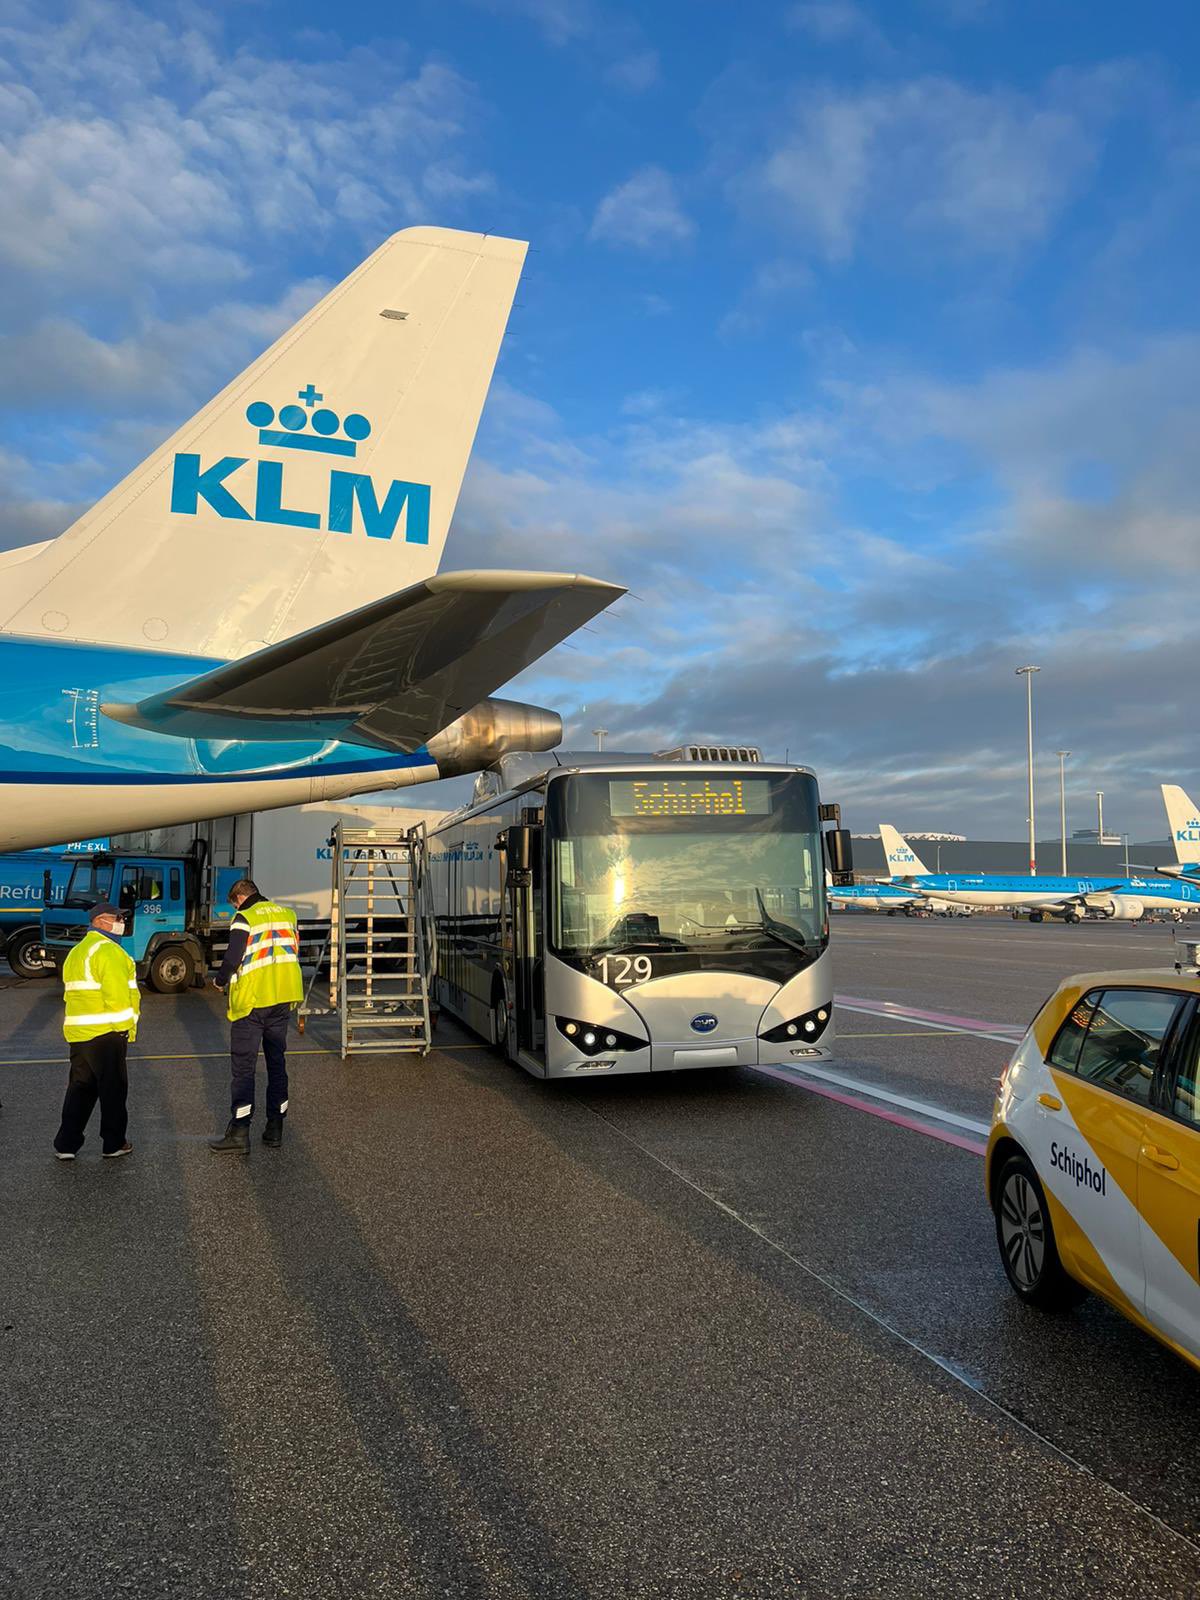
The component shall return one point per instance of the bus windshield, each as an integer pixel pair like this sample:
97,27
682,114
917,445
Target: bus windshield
674,861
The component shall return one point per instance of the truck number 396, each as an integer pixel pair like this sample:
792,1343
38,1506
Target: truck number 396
622,970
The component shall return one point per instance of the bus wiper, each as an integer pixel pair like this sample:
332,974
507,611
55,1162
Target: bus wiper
661,941
769,926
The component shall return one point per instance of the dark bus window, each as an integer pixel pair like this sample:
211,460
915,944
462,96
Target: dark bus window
174,883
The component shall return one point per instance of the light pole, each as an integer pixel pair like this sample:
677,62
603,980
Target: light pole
1027,673
1062,803
599,733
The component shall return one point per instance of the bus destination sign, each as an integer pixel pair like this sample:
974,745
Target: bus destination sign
689,797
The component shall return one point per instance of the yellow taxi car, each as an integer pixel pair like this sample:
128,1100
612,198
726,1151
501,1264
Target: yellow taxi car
1093,1164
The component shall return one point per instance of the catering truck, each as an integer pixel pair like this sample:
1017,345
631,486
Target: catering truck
173,886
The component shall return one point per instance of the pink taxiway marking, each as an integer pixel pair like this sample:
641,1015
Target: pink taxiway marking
959,1140
946,1019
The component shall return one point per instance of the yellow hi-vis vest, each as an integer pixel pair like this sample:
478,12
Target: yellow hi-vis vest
269,973
100,988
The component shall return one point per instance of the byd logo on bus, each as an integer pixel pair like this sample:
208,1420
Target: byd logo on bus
705,1022
302,429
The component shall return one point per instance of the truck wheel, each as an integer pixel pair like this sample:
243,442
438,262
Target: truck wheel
26,956
171,970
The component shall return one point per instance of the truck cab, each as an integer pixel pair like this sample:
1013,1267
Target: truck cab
173,906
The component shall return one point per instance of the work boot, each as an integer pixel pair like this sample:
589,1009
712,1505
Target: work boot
273,1132
236,1137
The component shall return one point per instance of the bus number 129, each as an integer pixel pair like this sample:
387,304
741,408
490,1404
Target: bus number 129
621,970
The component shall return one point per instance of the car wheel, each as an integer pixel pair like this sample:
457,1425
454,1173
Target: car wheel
1025,1235
171,971
26,956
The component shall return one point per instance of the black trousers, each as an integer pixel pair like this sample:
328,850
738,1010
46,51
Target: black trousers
266,1026
98,1072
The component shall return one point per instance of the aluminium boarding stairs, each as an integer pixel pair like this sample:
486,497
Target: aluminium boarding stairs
378,957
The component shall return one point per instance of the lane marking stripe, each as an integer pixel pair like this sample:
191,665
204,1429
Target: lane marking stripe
923,1108
943,1135
935,1021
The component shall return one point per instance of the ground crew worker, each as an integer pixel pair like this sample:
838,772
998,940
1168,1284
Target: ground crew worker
102,1005
261,971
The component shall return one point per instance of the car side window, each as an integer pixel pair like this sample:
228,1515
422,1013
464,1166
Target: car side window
1064,1052
1121,1047
1187,1081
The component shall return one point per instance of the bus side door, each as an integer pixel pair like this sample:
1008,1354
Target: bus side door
523,858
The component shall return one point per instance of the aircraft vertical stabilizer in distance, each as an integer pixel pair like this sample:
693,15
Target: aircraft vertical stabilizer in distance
1183,820
322,477
902,860
254,617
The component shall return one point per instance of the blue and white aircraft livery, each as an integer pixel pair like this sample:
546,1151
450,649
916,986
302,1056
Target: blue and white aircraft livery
871,896
252,618
1183,820
1125,899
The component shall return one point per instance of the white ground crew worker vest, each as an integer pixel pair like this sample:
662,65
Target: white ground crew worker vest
100,988
269,973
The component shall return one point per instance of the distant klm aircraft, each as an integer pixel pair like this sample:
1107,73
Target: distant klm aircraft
872,896
1184,821
252,618
1069,898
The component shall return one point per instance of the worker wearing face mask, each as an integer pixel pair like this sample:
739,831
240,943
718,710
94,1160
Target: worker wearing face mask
101,992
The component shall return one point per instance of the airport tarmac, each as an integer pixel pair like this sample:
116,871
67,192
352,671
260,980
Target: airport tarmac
473,1335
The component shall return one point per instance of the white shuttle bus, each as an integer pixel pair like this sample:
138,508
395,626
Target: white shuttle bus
603,913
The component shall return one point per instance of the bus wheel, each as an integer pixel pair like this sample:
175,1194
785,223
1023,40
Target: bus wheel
26,956
499,1018
171,970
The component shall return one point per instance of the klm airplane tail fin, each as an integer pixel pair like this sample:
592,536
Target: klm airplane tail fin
901,861
320,479
1183,820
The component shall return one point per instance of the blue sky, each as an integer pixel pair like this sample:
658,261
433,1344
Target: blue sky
859,340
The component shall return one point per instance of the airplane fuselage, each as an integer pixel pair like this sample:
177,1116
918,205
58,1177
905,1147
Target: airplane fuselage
1003,892
64,763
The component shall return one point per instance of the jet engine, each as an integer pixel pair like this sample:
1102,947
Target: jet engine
1120,908
490,730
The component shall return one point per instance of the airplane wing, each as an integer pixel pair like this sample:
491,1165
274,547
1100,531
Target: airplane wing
389,675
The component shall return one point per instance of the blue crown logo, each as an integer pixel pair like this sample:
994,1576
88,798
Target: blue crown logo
293,421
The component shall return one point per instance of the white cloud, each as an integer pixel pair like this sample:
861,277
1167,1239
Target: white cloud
985,170
643,213
135,153
635,73
837,22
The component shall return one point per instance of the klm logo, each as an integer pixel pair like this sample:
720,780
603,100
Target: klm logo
902,855
1190,832
302,428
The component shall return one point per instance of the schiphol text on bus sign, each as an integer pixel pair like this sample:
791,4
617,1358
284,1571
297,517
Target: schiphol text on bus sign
689,797
301,428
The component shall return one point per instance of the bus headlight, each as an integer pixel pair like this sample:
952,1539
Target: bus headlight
800,1030
590,1039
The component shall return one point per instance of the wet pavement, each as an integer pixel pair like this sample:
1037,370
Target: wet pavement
468,1334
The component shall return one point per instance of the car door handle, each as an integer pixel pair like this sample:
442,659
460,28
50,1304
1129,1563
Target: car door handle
1161,1158
1050,1101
